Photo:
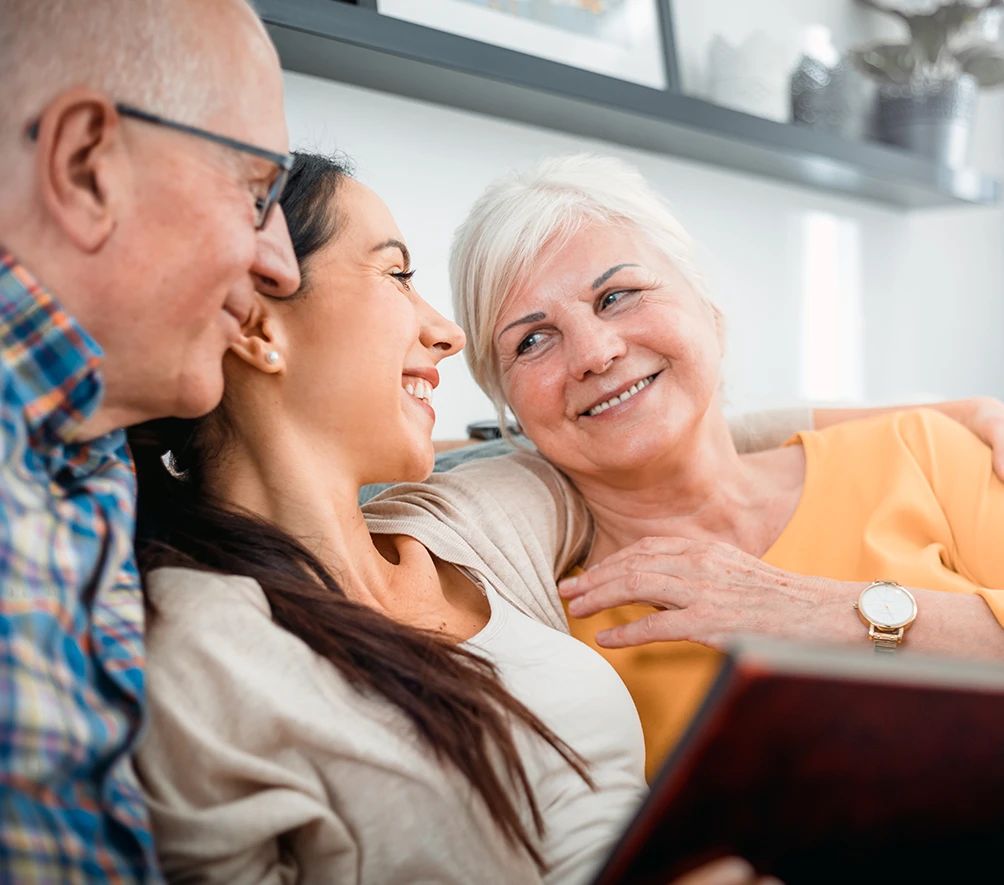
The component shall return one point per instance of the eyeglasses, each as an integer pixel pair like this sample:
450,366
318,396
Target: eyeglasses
263,205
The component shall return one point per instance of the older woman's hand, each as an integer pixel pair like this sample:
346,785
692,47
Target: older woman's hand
710,592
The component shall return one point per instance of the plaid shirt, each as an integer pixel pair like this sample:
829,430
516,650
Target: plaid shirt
71,611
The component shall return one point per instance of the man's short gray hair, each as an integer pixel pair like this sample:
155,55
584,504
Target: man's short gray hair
495,251
144,52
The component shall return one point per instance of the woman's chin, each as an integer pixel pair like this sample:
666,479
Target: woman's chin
421,474
410,460
418,464
625,456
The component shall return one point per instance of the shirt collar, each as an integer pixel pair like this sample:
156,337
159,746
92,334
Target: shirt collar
55,360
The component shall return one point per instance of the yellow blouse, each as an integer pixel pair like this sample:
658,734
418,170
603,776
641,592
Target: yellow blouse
910,497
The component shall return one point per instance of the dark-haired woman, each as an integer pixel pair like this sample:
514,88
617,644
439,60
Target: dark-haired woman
331,706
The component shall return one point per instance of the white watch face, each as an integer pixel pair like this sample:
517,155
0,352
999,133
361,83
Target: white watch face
887,606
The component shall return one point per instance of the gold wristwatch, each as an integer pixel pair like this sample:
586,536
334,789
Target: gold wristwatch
887,609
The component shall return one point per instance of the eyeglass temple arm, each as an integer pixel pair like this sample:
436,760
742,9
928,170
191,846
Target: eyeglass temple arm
283,160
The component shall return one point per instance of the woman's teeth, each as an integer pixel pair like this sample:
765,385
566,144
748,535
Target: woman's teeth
420,389
630,392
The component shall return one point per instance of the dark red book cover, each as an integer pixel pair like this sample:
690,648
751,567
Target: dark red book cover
823,765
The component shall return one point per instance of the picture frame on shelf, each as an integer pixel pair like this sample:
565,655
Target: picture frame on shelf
630,40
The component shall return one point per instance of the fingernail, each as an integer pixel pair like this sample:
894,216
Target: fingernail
575,605
567,583
729,871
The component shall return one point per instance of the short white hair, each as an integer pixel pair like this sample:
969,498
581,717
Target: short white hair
144,52
495,250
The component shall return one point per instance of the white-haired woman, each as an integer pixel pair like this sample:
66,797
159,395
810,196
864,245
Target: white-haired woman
587,316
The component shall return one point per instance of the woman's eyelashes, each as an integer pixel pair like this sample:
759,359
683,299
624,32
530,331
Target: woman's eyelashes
403,277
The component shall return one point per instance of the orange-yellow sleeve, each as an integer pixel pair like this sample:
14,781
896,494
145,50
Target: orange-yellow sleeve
959,468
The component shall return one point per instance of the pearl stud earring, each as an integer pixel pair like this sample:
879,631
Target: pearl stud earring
272,356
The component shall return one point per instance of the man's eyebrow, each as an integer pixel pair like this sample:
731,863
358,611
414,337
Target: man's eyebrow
394,244
522,321
602,278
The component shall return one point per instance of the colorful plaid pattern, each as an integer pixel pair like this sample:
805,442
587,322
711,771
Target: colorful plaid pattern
71,611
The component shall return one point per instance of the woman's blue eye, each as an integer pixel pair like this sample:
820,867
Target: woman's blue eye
612,298
529,342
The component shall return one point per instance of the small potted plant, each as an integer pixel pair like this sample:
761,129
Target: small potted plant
928,84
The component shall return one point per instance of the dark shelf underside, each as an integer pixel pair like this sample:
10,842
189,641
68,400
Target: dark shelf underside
354,45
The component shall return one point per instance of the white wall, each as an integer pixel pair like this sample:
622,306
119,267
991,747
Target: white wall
827,297
697,21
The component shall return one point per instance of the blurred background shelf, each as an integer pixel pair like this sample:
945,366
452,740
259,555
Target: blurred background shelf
343,42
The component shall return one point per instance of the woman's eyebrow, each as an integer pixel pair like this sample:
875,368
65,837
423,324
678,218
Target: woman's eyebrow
522,321
602,278
394,244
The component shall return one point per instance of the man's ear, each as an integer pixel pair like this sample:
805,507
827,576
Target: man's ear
79,166
262,342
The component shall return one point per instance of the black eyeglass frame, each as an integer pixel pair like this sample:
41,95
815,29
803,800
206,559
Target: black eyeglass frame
263,206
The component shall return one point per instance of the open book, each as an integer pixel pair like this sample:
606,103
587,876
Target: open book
832,765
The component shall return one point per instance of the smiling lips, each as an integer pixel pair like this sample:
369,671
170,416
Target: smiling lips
418,388
617,399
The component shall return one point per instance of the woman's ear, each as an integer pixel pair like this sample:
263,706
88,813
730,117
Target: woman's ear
262,344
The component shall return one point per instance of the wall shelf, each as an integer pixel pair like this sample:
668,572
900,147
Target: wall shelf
356,45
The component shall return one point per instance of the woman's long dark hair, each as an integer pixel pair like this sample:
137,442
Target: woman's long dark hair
454,698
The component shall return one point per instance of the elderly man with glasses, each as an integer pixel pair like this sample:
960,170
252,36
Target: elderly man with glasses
144,147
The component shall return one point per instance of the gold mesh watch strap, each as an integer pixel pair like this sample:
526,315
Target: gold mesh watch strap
885,642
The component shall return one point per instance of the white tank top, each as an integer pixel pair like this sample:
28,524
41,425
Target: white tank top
580,697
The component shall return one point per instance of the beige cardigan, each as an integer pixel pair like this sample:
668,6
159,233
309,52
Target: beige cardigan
261,765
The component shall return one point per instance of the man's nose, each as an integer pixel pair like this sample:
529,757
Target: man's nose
275,268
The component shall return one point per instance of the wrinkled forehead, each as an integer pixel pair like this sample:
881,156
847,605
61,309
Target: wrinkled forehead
529,265
571,262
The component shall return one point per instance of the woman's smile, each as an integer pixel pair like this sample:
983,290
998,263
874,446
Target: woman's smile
420,404
418,385
616,403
